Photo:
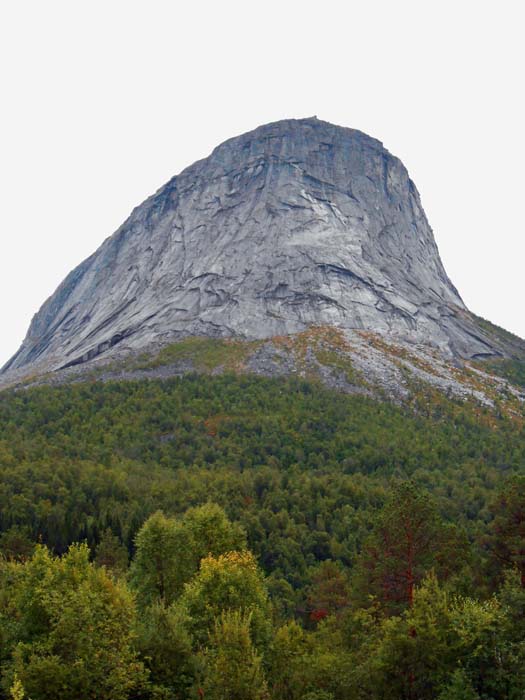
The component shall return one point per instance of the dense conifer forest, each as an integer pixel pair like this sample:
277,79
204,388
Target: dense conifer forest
237,537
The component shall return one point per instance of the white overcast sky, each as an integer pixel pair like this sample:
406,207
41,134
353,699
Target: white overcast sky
103,101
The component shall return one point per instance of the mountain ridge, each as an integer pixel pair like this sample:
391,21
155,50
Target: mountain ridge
295,224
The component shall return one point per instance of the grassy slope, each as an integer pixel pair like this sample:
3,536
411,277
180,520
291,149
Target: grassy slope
513,368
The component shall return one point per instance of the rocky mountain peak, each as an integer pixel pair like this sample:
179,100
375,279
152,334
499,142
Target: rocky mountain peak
295,224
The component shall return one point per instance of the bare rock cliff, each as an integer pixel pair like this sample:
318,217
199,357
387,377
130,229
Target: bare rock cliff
296,224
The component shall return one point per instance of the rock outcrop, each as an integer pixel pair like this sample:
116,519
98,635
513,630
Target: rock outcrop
296,224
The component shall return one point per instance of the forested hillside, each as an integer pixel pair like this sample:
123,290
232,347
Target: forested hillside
243,537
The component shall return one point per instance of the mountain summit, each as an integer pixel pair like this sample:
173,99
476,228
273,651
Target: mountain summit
296,224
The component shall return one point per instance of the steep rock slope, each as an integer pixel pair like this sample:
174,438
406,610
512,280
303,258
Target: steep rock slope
296,224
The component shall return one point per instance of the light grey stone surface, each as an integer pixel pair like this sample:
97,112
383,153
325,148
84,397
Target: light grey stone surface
297,223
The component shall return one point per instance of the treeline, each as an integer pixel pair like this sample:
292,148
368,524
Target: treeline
302,468
192,617
513,370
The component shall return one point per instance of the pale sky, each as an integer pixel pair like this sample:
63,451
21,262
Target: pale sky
103,101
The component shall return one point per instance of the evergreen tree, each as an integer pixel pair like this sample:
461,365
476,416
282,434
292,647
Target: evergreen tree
111,553
417,653
507,529
16,545
408,541
329,591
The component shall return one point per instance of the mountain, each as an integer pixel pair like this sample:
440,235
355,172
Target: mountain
294,225
317,493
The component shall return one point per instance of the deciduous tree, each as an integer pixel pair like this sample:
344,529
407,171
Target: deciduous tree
507,529
231,581
75,630
233,668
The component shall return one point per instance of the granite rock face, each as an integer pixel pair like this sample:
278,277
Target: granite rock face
295,224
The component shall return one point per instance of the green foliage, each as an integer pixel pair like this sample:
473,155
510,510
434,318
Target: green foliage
162,560
73,635
233,668
416,653
111,553
229,582
512,370
296,575
302,469
406,661
408,541
329,591
209,531
17,689
203,353
165,645
286,661
458,688
507,529
169,550
15,544
331,358
509,339
69,629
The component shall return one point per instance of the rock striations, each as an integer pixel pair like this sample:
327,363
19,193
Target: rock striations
299,223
